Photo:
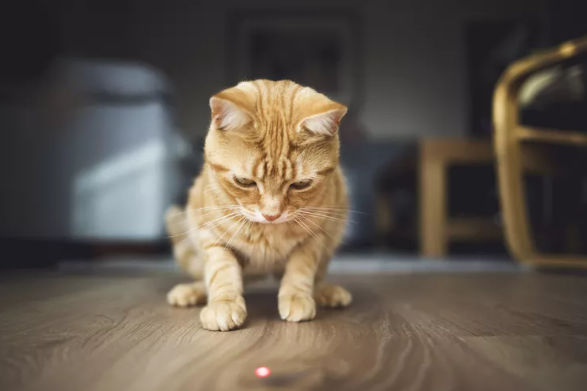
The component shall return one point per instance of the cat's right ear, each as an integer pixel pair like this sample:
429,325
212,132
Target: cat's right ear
228,113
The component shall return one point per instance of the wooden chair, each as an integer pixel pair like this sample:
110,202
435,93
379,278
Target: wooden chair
509,135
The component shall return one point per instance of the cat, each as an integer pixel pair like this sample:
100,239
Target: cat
270,199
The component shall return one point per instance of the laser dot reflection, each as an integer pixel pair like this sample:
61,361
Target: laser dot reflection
262,372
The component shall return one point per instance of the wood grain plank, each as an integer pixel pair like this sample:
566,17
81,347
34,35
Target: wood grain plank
408,332
548,363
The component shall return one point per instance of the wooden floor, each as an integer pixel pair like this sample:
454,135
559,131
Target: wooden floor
509,331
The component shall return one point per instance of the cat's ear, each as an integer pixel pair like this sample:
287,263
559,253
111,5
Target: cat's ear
320,116
325,123
229,110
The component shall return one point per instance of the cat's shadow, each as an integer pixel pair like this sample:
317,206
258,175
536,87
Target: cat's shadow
262,306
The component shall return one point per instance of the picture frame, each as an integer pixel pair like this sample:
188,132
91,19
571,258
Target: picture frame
316,49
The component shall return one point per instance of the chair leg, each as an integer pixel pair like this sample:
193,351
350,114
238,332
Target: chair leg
515,212
513,199
383,218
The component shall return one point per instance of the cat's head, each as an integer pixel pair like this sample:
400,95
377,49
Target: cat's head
272,146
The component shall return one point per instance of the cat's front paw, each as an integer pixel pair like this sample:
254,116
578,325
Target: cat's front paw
329,295
297,308
224,315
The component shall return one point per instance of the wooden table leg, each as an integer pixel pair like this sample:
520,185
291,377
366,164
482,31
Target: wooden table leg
383,218
433,205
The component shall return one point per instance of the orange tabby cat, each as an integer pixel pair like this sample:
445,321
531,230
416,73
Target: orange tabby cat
270,199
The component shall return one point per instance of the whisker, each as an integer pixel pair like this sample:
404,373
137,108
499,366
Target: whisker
183,241
187,218
335,209
312,233
218,221
208,224
207,211
212,212
206,208
230,228
303,226
181,234
325,210
326,207
323,230
244,222
334,214
212,209
325,216
303,222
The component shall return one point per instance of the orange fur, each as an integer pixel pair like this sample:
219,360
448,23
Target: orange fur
271,199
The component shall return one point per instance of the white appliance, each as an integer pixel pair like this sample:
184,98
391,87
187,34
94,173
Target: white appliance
109,174
123,147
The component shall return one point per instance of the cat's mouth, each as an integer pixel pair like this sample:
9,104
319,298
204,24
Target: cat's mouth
280,220
272,222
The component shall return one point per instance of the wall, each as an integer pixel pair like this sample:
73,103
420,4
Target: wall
413,68
414,61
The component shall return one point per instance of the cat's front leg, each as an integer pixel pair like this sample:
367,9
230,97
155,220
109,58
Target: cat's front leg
226,308
295,299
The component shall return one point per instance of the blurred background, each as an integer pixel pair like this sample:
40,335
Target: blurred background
104,108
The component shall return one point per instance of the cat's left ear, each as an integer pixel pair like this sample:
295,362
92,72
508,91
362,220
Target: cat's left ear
325,121
229,110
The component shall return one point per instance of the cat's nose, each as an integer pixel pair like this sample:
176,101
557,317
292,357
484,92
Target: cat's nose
271,217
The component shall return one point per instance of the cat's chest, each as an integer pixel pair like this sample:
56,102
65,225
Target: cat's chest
266,248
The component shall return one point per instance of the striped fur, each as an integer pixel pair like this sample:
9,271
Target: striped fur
271,199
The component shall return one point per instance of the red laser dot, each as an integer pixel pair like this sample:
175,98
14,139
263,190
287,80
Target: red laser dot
262,372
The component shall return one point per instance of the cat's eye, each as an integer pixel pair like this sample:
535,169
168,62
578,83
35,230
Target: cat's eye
244,182
300,185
